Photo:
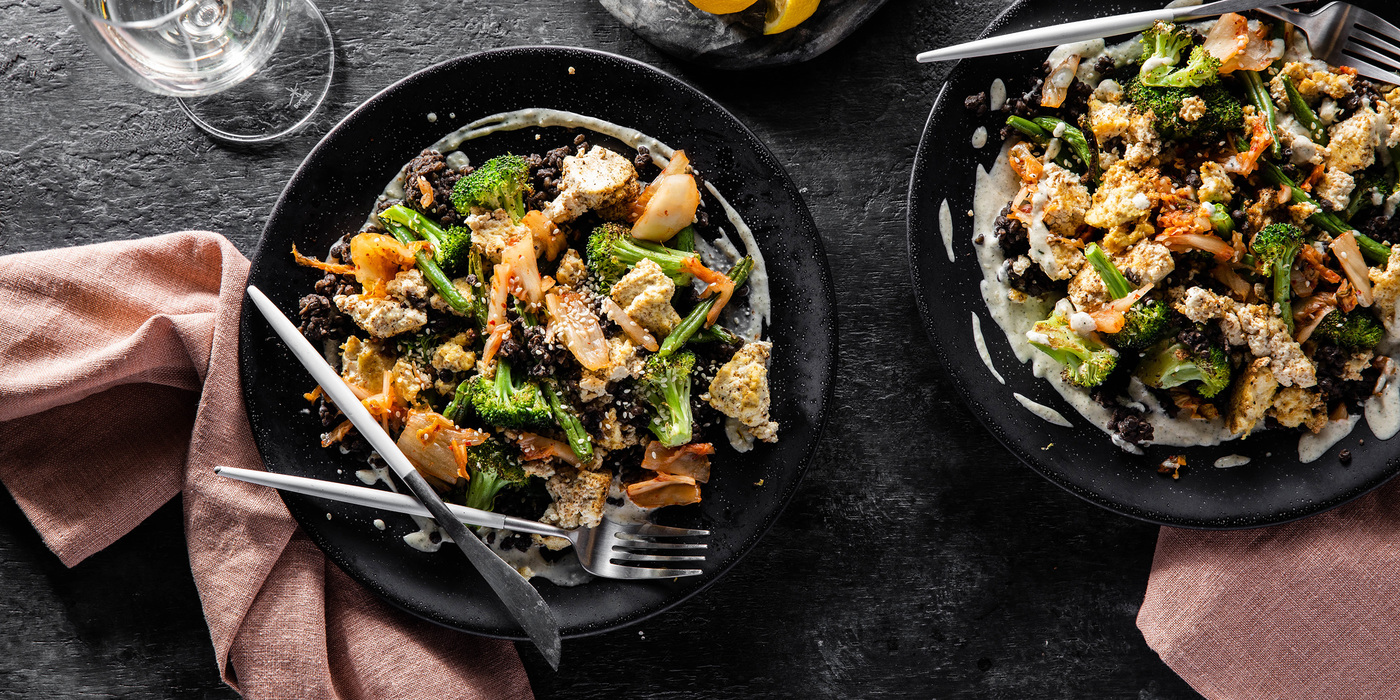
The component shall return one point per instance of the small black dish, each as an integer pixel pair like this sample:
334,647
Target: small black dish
335,188
1273,488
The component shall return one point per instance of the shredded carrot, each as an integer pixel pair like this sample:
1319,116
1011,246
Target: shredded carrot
459,453
320,265
714,281
427,191
336,434
314,394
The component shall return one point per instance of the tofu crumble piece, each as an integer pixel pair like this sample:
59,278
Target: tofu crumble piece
645,294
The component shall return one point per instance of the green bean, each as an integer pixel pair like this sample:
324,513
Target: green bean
695,320
430,270
1264,102
1303,113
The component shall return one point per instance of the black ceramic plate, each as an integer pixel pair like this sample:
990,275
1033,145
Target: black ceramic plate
1274,487
336,186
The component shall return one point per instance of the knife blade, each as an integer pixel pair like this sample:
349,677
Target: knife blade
1082,30
520,598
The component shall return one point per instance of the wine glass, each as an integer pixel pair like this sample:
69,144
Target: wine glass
246,71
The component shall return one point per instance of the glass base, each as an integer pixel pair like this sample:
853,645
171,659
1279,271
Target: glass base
283,95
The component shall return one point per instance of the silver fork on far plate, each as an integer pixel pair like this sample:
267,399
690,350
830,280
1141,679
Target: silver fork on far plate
1344,34
612,549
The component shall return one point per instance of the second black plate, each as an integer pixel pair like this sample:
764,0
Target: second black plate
1274,487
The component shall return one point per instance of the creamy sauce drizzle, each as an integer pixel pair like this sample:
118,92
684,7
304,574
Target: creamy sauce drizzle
1231,461
979,137
1050,415
945,228
981,344
1311,446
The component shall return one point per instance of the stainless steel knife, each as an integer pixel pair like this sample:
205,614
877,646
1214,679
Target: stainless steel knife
521,599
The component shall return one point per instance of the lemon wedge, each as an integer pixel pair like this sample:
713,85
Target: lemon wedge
783,15
722,7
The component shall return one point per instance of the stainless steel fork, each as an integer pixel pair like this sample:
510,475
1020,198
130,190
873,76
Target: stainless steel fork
1345,35
612,549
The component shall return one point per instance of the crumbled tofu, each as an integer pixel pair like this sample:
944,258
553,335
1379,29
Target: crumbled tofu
1311,83
1356,364
623,359
409,286
1192,108
645,294
1252,397
1255,326
453,355
1353,142
592,386
382,317
572,272
594,180
1385,290
363,365
463,287
1142,143
740,390
493,232
1299,213
1068,200
1146,262
1335,189
1108,119
410,380
614,434
1120,196
1293,407
579,497
1215,183
1121,237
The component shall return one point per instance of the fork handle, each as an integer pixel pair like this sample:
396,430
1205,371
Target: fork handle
1088,29
386,500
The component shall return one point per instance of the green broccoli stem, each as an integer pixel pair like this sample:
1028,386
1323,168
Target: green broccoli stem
476,267
1220,219
1118,285
420,225
1373,250
674,428
430,270
716,334
1261,99
456,408
503,385
482,490
685,243
1071,135
695,320
573,428
1303,113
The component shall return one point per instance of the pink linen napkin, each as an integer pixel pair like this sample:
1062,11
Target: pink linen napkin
119,388
1305,610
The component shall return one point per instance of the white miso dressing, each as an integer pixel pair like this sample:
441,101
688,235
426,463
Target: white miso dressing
997,96
979,137
945,228
981,344
1383,408
1231,461
1311,446
1042,411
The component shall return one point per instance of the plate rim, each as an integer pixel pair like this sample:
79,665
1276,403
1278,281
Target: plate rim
827,378
914,208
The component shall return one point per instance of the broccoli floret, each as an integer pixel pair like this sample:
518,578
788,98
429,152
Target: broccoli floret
612,251
1170,364
1201,69
450,247
500,183
502,401
492,470
1275,247
577,435
1144,324
665,384
1223,112
1162,45
1357,330
1368,184
1087,361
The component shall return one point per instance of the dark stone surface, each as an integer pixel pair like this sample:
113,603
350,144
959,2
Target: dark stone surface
918,559
736,41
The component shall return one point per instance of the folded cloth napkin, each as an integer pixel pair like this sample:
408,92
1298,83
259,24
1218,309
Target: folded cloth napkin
1304,610
137,343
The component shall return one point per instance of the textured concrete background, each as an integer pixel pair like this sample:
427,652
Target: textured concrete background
918,559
